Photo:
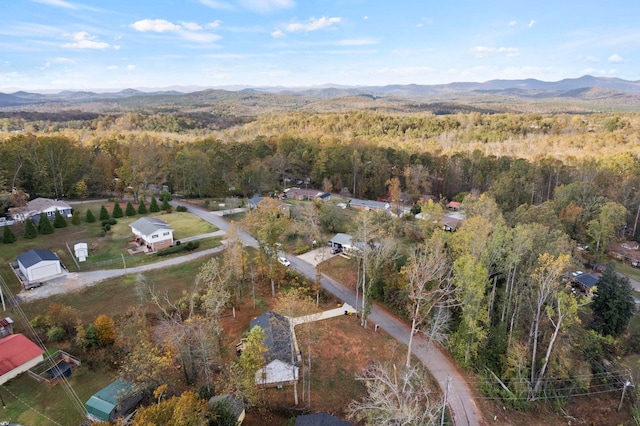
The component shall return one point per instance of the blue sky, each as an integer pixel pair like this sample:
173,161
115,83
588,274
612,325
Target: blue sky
114,44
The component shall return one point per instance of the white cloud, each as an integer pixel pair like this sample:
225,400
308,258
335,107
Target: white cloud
590,58
531,23
616,59
57,3
131,67
112,67
278,34
191,31
155,25
365,17
312,25
266,6
513,23
214,24
191,26
83,40
484,51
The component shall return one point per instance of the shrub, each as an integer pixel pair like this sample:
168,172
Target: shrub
90,218
8,236
106,227
190,246
44,225
59,221
30,229
104,214
75,219
142,209
117,210
301,250
112,221
55,333
130,211
154,208
181,208
165,204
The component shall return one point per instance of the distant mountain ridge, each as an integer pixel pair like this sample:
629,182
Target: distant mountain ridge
584,88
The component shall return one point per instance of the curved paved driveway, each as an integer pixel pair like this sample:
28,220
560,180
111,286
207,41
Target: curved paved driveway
460,398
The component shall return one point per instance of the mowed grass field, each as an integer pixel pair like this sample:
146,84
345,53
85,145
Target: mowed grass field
105,252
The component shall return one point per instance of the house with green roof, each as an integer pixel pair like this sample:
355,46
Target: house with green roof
111,402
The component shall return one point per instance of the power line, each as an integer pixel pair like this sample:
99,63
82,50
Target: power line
29,406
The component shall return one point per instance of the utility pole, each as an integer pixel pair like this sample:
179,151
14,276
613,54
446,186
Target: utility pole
624,389
446,396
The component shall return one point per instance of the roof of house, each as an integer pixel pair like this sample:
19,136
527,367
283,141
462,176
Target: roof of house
255,200
277,336
342,239
319,419
106,399
276,372
454,205
15,350
588,280
236,406
36,256
374,205
294,192
42,204
149,225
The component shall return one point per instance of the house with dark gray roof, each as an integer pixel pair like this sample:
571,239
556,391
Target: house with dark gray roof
282,358
319,419
154,233
42,206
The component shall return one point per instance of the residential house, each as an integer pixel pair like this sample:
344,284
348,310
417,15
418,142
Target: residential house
451,221
342,241
586,282
6,327
41,206
17,355
253,202
282,357
38,265
113,401
154,233
454,206
368,205
306,194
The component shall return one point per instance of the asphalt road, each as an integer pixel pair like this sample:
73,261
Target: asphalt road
459,397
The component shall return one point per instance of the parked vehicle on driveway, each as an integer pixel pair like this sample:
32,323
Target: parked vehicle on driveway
283,260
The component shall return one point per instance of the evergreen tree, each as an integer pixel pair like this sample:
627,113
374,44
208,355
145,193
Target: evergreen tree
117,210
75,219
613,303
165,204
142,209
8,236
44,225
59,221
90,218
104,214
30,229
154,208
130,211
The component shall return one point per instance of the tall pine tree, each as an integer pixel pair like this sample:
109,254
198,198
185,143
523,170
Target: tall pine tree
104,214
154,208
613,303
8,236
117,210
30,230
59,221
90,218
44,225
142,209
130,211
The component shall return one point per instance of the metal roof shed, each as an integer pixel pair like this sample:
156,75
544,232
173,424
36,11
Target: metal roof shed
112,401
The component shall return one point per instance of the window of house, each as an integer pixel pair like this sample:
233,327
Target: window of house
165,234
154,236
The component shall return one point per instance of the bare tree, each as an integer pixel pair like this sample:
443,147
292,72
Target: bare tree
429,283
395,397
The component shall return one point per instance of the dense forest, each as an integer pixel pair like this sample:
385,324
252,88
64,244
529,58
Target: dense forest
533,185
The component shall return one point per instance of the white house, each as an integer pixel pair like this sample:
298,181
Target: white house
154,233
17,355
42,206
39,265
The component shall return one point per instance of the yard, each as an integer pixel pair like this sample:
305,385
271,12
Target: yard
105,252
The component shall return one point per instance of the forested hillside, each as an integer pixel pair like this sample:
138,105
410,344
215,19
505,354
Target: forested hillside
533,186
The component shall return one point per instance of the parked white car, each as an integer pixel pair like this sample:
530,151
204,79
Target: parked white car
284,261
